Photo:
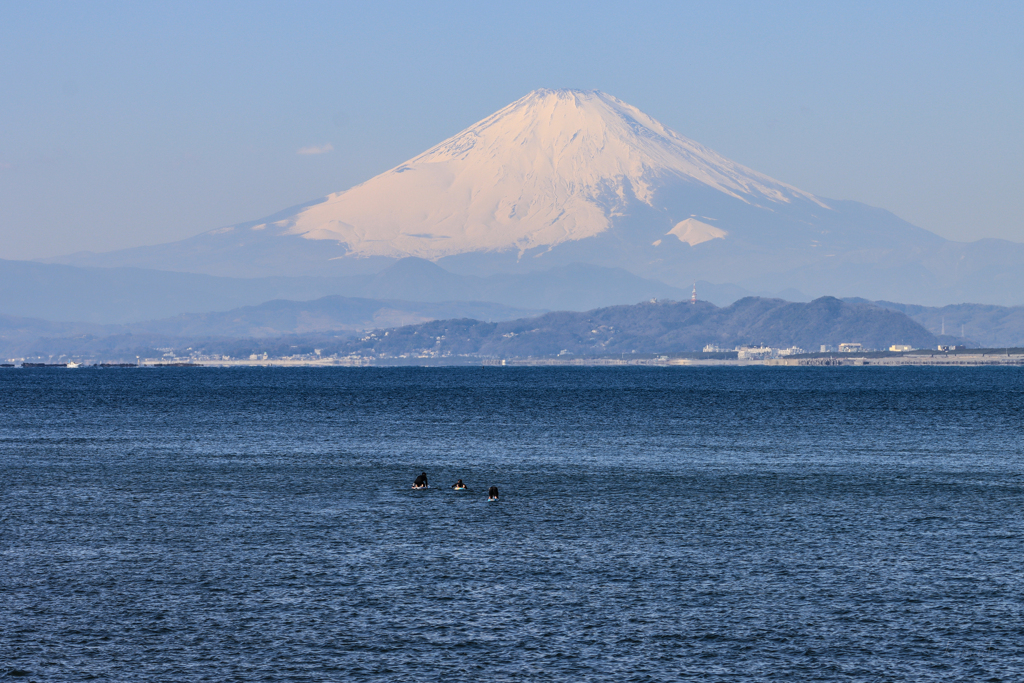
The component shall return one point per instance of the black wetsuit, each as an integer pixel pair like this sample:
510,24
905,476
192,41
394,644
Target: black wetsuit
459,485
493,493
421,480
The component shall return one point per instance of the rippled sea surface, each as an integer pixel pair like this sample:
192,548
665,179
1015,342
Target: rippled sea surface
742,524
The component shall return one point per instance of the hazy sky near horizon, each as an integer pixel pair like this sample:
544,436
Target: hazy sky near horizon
124,124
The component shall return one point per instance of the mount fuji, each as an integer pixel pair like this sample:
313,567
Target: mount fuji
563,177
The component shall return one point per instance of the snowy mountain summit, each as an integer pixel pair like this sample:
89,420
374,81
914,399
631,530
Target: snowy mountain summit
552,167
577,179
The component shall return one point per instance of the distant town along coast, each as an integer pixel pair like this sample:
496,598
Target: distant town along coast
826,331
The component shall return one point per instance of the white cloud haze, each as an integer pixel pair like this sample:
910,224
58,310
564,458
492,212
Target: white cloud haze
313,149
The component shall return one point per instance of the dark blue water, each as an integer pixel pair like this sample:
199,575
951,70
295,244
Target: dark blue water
758,524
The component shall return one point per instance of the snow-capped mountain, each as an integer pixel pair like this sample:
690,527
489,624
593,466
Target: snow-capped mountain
569,176
555,166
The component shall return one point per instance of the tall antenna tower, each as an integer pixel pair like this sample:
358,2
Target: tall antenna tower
943,324
693,297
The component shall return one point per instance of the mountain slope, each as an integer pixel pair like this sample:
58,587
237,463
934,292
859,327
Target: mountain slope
127,295
333,315
552,167
566,176
981,325
327,314
663,327
285,328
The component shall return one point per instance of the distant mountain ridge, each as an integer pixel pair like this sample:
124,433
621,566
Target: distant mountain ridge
129,295
334,315
657,327
561,177
327,314
286,328
975,324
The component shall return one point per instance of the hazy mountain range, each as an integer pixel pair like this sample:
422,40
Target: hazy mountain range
655,327
574,177
281,326
125,295
562,201
335,315
975,324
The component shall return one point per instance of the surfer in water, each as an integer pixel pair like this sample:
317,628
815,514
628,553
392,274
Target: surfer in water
492,493
421,481
459,486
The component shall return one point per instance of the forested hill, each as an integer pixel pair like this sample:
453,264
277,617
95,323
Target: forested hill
658,327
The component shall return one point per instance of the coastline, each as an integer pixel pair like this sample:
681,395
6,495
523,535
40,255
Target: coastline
941,360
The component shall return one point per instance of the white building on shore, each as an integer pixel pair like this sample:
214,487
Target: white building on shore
766,352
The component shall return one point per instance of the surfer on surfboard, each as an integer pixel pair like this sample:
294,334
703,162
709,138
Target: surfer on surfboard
492,493
459,486
421,481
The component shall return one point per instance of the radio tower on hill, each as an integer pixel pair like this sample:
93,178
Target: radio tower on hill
693,297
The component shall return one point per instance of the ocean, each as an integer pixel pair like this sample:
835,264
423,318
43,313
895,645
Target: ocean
713,524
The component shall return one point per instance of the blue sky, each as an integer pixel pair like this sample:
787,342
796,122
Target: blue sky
124,124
